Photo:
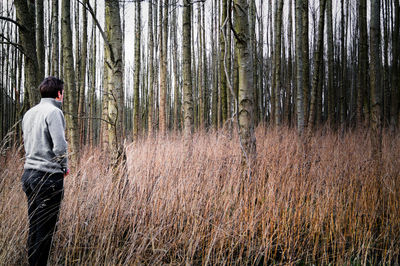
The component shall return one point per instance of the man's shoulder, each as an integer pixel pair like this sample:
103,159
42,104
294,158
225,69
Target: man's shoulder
31,111
43,110
49,109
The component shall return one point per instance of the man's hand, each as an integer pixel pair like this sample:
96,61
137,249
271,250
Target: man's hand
66,173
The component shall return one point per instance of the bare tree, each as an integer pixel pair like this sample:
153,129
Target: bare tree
113,75
299,67
25,11
69,78
136,72
376,82
277,65
317,66
246,92
187,72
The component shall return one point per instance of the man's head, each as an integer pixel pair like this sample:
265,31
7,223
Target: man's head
51,87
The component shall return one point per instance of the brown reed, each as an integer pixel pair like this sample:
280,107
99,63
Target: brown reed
320,203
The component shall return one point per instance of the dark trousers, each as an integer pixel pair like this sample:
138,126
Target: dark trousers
44,192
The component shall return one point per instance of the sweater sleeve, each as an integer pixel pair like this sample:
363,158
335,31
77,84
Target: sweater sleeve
56,126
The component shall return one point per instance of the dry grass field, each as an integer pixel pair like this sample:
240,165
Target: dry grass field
320,204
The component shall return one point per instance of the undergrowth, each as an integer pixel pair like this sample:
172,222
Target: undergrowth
321,203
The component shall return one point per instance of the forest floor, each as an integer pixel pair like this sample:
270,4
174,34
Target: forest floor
324,203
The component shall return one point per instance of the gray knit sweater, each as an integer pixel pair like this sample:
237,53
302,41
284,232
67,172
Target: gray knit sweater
43,129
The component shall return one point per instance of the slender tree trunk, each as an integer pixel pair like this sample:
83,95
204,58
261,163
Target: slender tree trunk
331,98
299,67
376,81
286,115
253,42
40,38
77,50
261,75
92,93
222,77
362,60
214,118
317,65
175,68
113,60
306,61
55,42
136,73
205,74
386,85
151,70
82,83
200,66
342,99
69,80
277,65
187,75
246,91
25,12
271,64
394,112
194,72
163,65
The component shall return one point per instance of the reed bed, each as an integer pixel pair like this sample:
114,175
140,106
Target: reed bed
173,203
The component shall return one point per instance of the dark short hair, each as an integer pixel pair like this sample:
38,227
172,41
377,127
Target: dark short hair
50,87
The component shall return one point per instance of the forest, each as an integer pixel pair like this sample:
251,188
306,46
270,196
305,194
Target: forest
204,132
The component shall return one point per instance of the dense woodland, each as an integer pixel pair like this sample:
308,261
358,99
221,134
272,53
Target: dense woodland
202,65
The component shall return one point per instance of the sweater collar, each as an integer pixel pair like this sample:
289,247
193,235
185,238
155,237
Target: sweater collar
51,101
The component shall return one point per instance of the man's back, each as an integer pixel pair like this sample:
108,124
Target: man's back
43,129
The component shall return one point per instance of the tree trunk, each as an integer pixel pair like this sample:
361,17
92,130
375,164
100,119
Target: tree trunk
176,74
362,60
136,73
386,86
82,76
260,69
394,111
214,107
306,61
253,43
25,12
277,65
187,71
376,81
163,65
342,99
151,70
113,60
331,98
299,67
291,82
317,65
205,76
55,42
40,38
69,79
246,91
222,77
200,66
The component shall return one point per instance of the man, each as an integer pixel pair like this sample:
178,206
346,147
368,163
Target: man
46,165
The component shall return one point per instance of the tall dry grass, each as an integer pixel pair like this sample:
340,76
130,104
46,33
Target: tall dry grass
323,204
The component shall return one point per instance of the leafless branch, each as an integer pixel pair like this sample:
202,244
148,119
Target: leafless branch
9,42
12,21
